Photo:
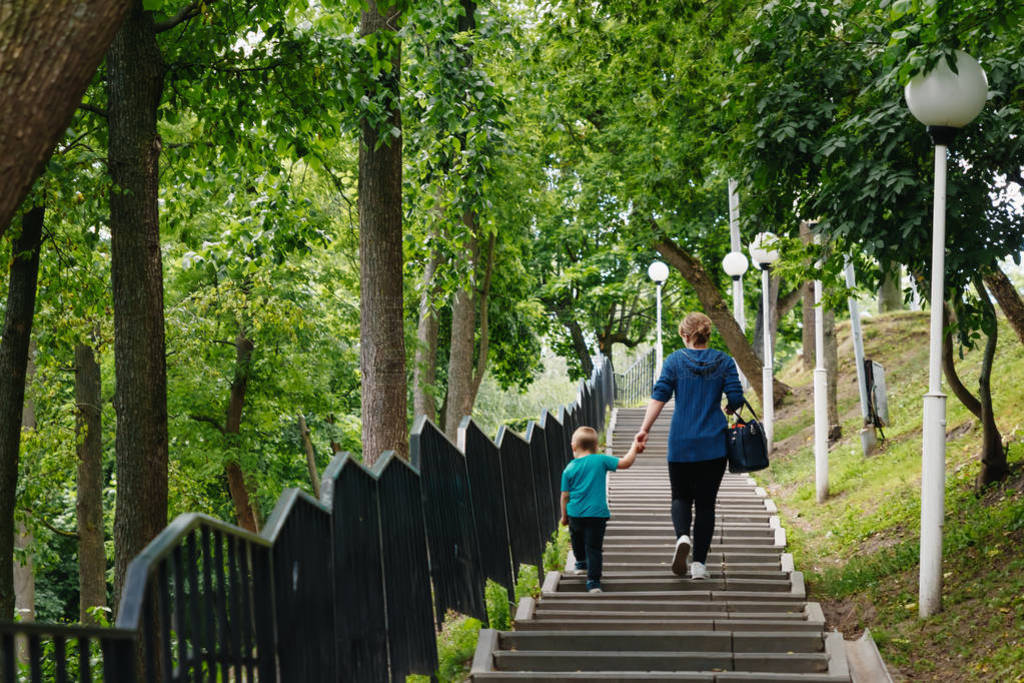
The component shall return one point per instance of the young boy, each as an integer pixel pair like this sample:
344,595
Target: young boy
585,503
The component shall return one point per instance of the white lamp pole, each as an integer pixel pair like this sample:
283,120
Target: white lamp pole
764,260
658,272
945,102
820,401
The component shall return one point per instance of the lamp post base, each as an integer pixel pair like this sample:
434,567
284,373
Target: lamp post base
769,406
933,503
868,440
820,434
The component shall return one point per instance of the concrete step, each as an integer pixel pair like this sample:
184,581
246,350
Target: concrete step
662,641
621,585
644,622
586,660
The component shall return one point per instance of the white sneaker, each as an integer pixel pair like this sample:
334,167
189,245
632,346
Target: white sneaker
698,571
595,590
679,557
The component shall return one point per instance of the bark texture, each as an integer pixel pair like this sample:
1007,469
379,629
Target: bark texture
835,428
24,571
993,456
890,291
14,351
467,360
1008,298
721,315
92,557
245,514
424,375
382,342
49,50
962,393
807,333
307,444
135,73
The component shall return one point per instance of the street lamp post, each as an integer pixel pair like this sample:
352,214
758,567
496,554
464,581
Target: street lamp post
658,272
945,102
735,265
764,259
820,400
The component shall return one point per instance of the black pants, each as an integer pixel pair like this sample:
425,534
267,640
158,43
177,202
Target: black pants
696,484
587,536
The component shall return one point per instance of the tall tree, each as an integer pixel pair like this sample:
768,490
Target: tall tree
382,342
135,72
92,554
14,350
49,49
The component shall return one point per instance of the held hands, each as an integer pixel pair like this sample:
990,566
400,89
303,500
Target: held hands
640,440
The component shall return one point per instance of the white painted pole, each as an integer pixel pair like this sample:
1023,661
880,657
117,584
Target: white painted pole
867,433
933,454
820,400
658,354
766,374
737,284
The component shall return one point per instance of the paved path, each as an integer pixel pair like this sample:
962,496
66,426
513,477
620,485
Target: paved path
749,621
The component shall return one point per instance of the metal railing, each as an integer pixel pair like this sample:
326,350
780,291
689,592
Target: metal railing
633,387
351,587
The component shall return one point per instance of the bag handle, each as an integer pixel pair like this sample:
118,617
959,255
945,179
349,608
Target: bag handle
749,407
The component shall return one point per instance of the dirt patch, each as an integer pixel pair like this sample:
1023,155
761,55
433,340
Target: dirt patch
850,616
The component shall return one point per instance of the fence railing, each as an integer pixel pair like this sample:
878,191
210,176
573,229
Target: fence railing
633,386
351,587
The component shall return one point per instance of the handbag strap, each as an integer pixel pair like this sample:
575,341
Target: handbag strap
749,407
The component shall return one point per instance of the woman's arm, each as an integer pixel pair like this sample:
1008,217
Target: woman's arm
733,389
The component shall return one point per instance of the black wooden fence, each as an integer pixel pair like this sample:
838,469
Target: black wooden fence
633,387
348,588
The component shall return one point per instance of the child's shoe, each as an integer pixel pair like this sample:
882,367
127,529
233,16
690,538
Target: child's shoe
679,557
579,570
698,571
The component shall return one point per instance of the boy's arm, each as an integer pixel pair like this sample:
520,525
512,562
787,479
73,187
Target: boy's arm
627,460
565,516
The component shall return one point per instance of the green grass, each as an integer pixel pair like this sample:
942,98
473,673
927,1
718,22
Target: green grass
859,549
457,640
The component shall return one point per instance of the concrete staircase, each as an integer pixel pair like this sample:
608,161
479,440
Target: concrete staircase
749,621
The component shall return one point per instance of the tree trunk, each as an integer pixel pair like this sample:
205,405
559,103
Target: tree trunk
835,427
49,50
307,443
993,455
1009,299
424,376
14,352
135,73
467,362
382,343
962,393
579,343
721,315
24,574
92,556
890,291
245,513
807,332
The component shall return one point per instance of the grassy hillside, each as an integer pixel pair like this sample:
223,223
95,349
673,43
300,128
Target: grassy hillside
859,549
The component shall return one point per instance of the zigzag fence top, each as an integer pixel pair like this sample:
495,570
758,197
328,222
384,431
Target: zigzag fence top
349,587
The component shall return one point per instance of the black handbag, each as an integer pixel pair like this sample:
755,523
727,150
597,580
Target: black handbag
746,444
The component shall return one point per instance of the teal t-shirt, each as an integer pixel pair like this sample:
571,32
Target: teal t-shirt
584,479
